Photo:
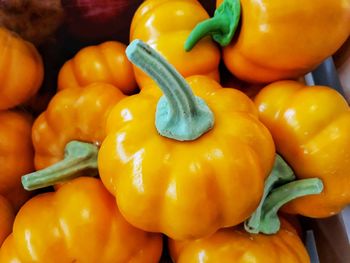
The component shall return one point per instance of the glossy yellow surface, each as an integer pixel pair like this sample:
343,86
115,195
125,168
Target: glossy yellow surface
165,26
21,70
235,245
311,130
186,189
285,39
81,223
73,114
105,63
16,155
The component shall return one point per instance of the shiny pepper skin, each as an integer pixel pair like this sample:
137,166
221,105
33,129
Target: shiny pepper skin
311,130
7,215
16,155
73,114
236,245
186,189
285,39
165,25
21,70
80,222
105,63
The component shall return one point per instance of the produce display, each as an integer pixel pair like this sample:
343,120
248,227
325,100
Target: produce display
166,131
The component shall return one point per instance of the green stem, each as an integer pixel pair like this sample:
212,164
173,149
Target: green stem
270,223
180,115
221,27
79,157
281,173
265,219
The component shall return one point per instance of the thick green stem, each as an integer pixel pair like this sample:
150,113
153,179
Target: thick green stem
180,115
270,223
221,27
79,157
281,173
265,219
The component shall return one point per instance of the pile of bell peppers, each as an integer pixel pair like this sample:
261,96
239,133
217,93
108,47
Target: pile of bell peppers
194,142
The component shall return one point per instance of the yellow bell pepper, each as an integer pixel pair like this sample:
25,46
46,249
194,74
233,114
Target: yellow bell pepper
281,242
21,69
236,245
275,39
190,165
165,25
80,222
311,130
104,63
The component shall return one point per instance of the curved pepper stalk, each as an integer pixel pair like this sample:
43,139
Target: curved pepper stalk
222,26
180,115
280,188
79,157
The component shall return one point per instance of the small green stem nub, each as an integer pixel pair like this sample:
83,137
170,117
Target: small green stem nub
265,219
180,115
79,157
221,27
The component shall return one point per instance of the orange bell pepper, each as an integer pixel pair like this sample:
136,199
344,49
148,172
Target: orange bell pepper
186,176
21,70
67,135
16,155
102,63
7,215
235,245
80,222
311,130
165,25
276,39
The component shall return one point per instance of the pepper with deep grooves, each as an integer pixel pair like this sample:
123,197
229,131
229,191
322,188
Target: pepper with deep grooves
80,222
178,164
311,130
105,63
67,135
236,245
